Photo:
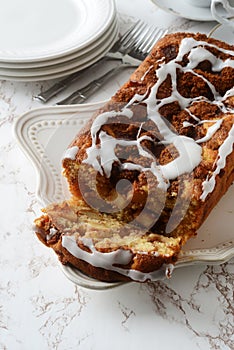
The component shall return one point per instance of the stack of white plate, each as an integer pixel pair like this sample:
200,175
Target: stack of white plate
48,39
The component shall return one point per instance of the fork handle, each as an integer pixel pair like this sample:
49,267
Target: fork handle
85,92
64,83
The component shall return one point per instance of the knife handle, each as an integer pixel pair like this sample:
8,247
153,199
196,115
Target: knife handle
46,95
85,92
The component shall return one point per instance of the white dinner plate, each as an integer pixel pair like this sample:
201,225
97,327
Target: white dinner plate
39,30
184,9
61,69
79,54
44,135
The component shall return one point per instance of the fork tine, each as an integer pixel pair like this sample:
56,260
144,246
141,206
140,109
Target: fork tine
132,32
133,37
154,35
138,38
143,45
129,31
147,44
147,38
125,37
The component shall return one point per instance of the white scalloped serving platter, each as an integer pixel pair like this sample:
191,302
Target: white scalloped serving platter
44,135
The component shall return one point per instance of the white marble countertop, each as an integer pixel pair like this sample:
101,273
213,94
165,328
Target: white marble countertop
41,309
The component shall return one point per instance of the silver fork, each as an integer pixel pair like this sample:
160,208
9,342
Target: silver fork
122,42
138,47
123,45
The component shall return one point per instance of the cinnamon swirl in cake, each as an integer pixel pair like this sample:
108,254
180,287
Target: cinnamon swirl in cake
148,168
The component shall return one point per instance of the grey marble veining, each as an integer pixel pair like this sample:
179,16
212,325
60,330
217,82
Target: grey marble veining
41,309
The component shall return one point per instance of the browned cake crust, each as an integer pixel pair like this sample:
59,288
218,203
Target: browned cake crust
180,101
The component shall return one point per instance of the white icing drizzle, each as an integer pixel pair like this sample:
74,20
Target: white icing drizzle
192,115
101,156
187,124
109,260
71,153
224,150
106,152
146,72
211,131
229,93
169,270
189,157
189,44
53,232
